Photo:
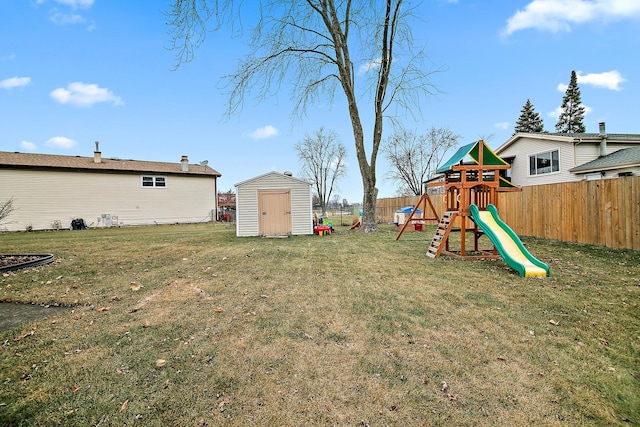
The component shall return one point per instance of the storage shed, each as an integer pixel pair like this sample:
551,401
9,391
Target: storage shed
273,204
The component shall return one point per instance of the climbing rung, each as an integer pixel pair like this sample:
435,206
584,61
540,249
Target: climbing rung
441,234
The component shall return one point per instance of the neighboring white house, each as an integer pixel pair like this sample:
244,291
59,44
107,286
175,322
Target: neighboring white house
49,191
625,162
546,158
273,204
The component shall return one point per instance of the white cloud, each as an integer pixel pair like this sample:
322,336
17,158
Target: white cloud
28,146
66,19
12,82
77,3
65,15
10,57
556,113
60,142
264,132
83,95
560,15
502,125
334,163
608,80
365,68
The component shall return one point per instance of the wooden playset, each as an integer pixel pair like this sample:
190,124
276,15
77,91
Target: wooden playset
467,183
470,183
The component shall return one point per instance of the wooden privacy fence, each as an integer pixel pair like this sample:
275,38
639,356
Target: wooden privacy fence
602,212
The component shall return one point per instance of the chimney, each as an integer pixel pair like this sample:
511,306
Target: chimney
97,155
184,164
603,139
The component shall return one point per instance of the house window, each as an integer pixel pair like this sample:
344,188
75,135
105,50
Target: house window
154,181
542,163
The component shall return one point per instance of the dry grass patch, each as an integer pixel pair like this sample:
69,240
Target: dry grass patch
347,329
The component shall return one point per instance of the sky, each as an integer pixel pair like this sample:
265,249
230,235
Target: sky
73,72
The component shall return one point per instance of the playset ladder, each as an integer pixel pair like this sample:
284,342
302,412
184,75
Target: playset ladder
442,233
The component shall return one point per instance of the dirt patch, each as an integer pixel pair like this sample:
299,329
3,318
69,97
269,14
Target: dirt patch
14,315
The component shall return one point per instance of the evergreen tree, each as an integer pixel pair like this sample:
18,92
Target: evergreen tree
529,120
572,115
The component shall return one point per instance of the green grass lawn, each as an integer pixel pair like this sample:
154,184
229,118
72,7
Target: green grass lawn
188,326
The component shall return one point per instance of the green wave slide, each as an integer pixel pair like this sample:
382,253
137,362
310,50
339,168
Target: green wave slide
507,243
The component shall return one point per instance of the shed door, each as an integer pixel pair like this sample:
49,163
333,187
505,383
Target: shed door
274,211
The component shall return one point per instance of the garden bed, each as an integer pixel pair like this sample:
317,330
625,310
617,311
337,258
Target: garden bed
10,262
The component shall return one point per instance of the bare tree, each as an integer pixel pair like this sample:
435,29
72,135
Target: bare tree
6,208
335,204
416,157
487,137
322,160
311,45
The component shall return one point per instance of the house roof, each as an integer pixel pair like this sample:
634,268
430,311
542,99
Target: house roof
473,151
626,138
616,160
278,174
78,163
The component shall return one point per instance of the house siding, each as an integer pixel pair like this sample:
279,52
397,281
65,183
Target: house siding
634,171
588,152
44,196
247,215
570,155
520,166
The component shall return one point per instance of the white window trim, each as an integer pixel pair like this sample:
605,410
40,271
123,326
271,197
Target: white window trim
154,177
551,150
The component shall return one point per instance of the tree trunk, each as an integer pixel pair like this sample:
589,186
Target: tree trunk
368,222
369,199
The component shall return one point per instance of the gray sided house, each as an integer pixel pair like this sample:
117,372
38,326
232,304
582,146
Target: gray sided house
625,162
273,204
548,158
49,191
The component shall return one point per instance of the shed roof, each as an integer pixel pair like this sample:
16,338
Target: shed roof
273,173
18,160
618,159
